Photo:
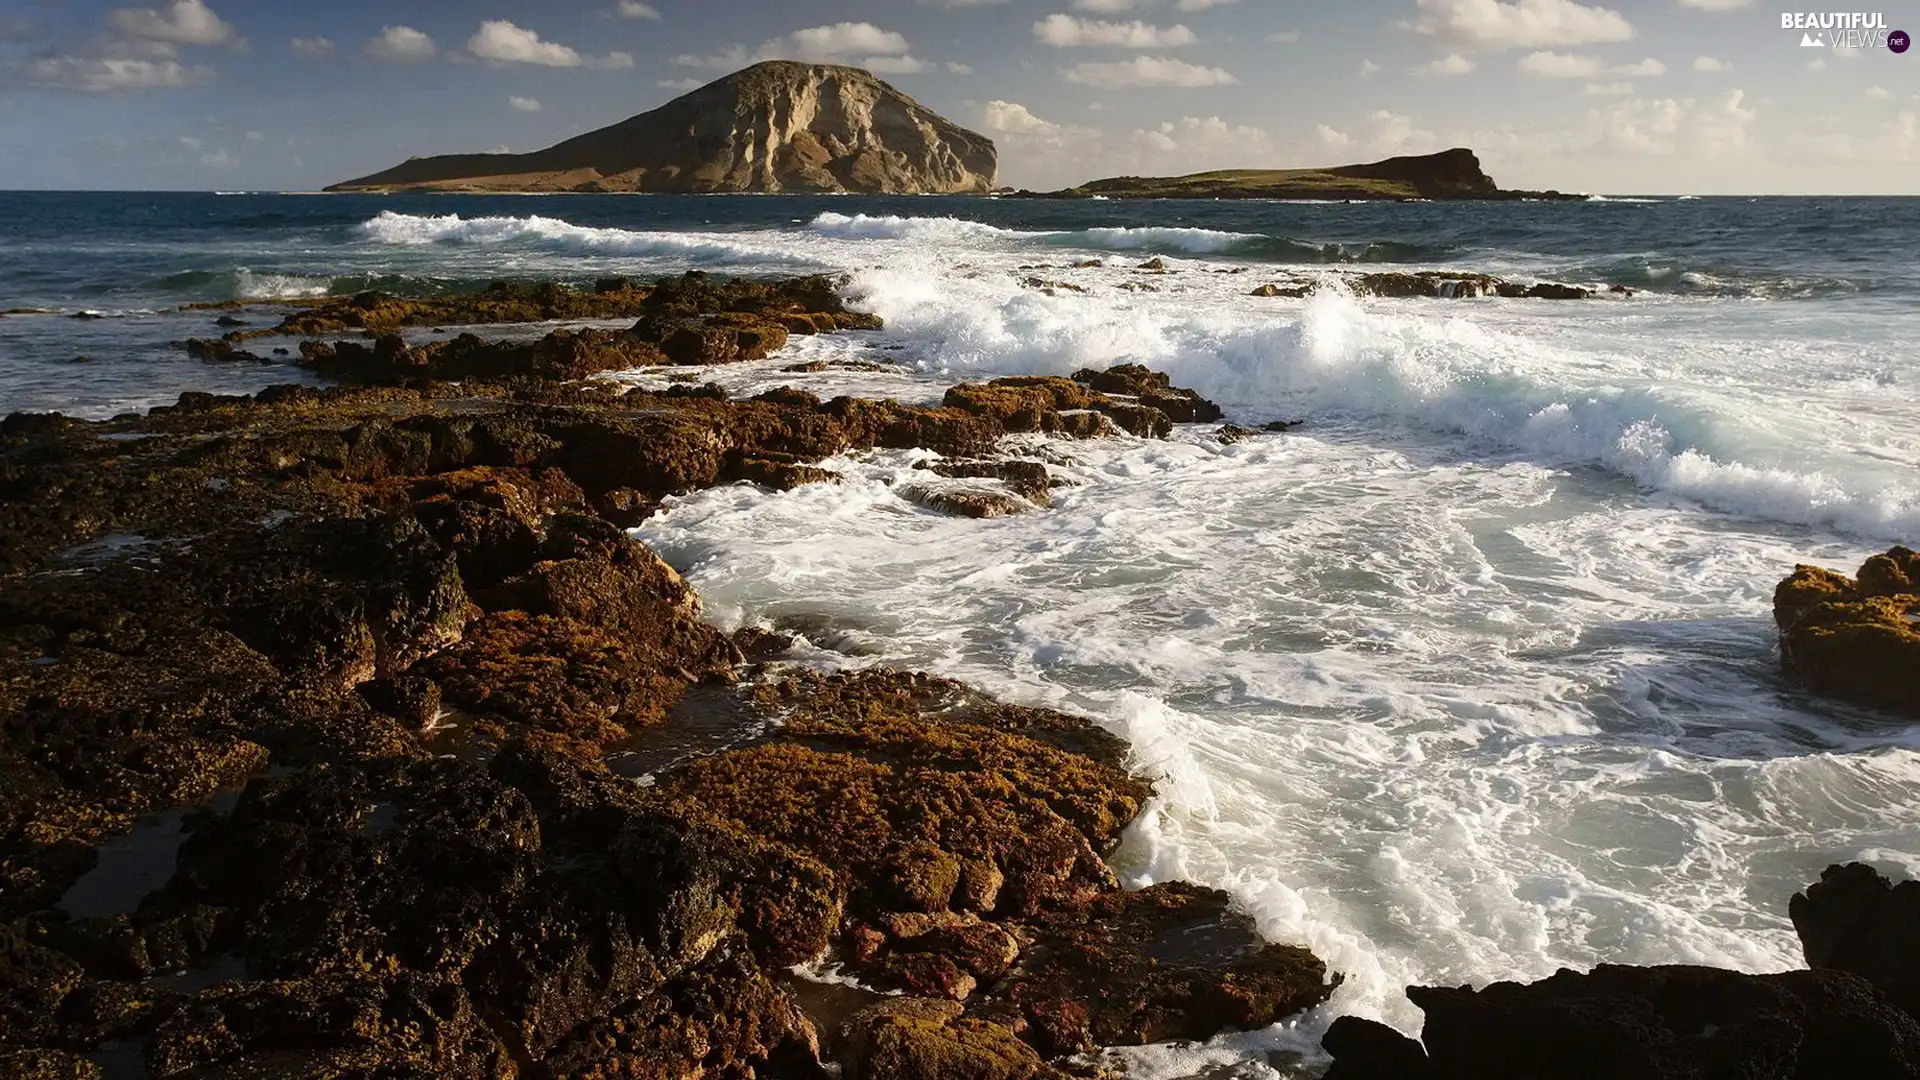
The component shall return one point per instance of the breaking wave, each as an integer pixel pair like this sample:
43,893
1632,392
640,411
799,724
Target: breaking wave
1342,360
542,233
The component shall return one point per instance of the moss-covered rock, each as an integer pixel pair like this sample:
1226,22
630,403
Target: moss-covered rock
1855,639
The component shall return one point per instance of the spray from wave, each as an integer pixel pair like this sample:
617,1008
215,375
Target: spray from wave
1159,240
553,234
1344,361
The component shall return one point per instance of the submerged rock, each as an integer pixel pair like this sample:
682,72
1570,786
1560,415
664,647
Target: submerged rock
1855,639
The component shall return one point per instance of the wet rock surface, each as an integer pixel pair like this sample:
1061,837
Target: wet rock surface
1852,1015
338,697
1857,639
1853,919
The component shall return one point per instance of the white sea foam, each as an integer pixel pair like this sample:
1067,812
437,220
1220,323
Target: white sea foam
1440,720
412,230
251,286
945,230
1338,357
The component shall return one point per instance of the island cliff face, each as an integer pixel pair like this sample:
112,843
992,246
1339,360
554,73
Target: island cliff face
774,127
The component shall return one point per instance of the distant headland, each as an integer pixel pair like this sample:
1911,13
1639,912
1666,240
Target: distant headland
1450,175
789,128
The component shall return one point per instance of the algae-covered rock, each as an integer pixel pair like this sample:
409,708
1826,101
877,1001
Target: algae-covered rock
1858,640
1169,962
920,1039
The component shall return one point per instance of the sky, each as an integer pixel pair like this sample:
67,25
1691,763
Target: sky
1653,96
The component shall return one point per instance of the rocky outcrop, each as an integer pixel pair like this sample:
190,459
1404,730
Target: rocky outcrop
1853,1014
1855,920
774,127
361,681
1857,639
1628,1023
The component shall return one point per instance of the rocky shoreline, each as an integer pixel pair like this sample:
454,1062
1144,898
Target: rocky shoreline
347,733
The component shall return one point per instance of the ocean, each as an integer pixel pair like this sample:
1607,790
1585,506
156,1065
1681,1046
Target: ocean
1469,676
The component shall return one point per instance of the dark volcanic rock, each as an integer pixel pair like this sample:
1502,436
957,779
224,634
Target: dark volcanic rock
1369,1050
1855,920
1855,639
1639,1023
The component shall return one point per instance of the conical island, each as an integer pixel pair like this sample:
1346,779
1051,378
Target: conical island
773,127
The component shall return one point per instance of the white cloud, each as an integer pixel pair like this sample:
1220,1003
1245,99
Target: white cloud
218,159
105,75
401,43
312,46
1555,65
1720,127
953,4
1013,118
826,44
1149,71
501,40
189,142
1159,140
183,22
1878,93
1396,134
895,65
1333,137
1711,66
1368,69
862,44
1715,5
1202,5
1065,31
1201,143
1612,89
1817,65
1451,64
1498,25
956,68
680,84
1285,37
634,9
255,136
1106,6
524,104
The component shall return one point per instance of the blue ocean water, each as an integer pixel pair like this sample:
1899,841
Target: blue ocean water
1469,677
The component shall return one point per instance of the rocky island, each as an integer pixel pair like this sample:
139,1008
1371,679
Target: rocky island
1451,175
774,127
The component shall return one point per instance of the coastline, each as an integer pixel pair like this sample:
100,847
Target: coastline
490,507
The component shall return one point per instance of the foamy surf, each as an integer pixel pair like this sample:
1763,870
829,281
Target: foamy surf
411,230
1417,365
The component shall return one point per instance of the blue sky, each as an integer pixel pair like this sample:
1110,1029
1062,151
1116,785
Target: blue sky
1704,96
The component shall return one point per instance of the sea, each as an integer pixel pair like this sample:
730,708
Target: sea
1468,676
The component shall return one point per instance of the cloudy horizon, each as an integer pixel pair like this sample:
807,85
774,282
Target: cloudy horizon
1664,96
